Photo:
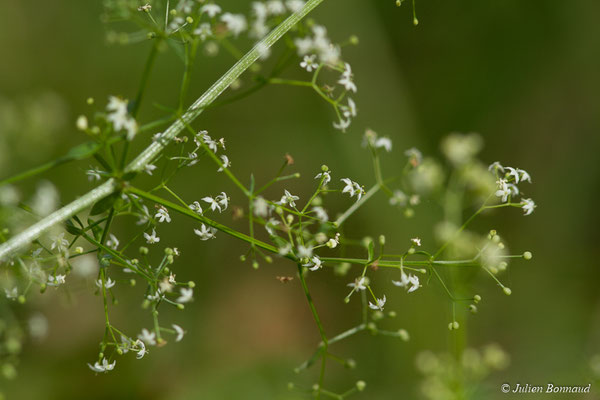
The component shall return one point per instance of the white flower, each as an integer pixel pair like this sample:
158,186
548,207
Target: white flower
56,280
294,5
142,351
326,177
350,109
342,124
414,156
82,123
321,213
503,190
108,284
236,23
263,51
524,175
162,215
208,141
148,337
270,226
196,207
513,172
151,239
225,161
93,174
223,200
104,367
410,282
214,204
352,188
285,250
333,242
496,166
11,294
118,116
180,332
59,243
148,168
528,205
288,198
304,251
314,264
186,295
304,45
203,31
379,304
275,7
261,207
399,198
384,142
260,10
358,284
416,241
210,9
346,79
144,215
205,232
308,63
112,242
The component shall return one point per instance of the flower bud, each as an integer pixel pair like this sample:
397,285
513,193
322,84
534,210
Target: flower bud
507,291
361,385
527,255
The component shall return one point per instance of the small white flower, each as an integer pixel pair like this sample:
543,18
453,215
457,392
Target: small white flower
196,207
93,174
186,295
416,241
151,239
210,9
120,119
11,294
304,45
514,172
225,161
236,23
108,284
205,233
524,175
294,5
56,280
314,264
352,188
147,337
263,51
349,110
82,123
162,215
180,332
528,205
223,200
270,226
285,250
358,284
410,282
321,214
260,10
308,63
261,207
304,251
496,166
104,367
59,243
414,156
203,31
342,124
384,142
346,79
399,198
503,190
207,140
214,204
144,216
333,242
326,177
142,351
288,198
275,7
379,304
149,168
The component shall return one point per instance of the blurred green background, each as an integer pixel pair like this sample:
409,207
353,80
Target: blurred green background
525,75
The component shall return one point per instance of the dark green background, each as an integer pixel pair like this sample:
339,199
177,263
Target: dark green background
524,74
